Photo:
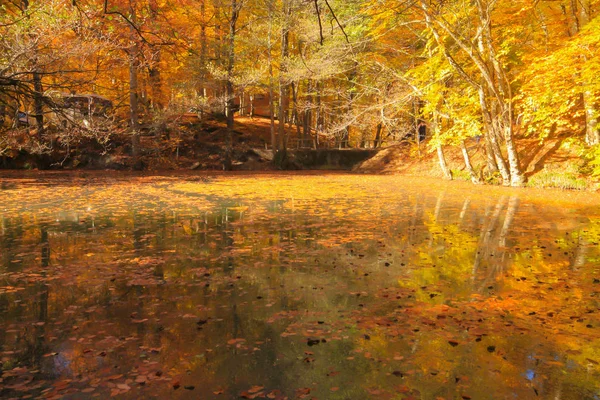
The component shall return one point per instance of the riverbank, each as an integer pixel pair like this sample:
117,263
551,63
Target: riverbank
556,162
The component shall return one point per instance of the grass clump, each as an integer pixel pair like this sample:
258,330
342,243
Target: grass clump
461,175
557,176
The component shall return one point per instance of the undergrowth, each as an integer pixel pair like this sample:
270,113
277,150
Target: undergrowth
559,176
461,175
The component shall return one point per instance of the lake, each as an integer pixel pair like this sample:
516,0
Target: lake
297,286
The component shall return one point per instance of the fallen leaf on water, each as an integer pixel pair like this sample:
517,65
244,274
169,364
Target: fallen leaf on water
403,389
255,389
247,395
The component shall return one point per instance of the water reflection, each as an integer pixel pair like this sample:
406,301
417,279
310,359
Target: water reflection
291,287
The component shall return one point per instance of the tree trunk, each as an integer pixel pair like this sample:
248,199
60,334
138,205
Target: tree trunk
351,81
134,102
492,166
467,159
417,121
295,90
274,141
38,100
592,133
308,111
499,158
227,163
283,92
220,88
516,176
440,151
377,143
203,47
154,76
492,138
592,130
38,90
318,115
442,160
156,83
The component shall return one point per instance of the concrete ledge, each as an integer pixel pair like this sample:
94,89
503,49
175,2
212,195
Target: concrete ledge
331,158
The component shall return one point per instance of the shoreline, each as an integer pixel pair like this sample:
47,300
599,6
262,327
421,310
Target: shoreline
91,177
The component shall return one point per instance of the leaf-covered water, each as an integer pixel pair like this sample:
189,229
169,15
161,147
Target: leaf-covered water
296,286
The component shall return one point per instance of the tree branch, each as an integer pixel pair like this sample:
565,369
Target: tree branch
337,21
319,18
139,32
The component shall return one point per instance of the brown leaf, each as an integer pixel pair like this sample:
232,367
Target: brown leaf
255,389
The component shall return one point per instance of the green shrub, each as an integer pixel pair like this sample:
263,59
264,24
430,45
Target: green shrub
461,175
595,161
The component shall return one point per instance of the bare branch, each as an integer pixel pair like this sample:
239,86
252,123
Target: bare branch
337,21
319,19
134,26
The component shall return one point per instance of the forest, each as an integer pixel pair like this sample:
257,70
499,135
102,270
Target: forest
300,199
141,80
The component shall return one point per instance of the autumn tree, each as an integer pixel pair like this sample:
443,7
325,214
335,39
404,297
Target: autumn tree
559,91
47,49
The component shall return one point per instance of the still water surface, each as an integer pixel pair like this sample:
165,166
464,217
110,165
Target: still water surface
296,286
